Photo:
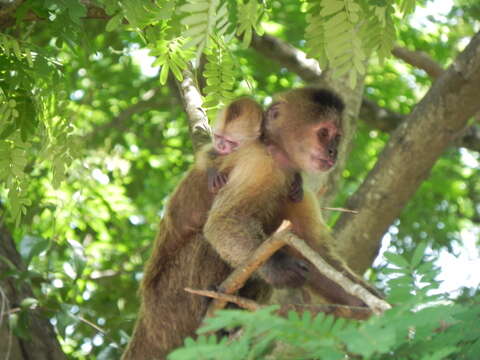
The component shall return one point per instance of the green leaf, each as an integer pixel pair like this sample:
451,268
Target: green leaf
369,339
16,49
195,19
78,261
196,7
76,10
397,260
65,317
114,22
331,8
418,254
31,246
164,74
196,32
339,18
29,303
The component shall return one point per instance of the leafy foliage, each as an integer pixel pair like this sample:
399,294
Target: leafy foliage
342,34
204,18
419,326
91,145
171,30
249,18
220,76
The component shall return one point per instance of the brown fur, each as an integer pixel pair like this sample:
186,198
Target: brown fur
241,122
248,209
167,313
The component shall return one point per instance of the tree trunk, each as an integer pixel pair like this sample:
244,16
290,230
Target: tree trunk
43,344
408,158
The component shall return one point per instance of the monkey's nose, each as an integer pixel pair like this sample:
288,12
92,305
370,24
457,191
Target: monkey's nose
332,153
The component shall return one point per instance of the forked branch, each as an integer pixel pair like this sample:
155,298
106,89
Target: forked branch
241,274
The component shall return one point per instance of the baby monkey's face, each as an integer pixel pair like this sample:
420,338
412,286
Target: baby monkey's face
224,144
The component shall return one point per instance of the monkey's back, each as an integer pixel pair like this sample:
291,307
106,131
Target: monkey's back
168,313
180,258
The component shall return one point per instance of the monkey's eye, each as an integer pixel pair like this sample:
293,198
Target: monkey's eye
323,133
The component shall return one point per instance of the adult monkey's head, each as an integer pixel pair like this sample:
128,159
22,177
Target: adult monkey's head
303,128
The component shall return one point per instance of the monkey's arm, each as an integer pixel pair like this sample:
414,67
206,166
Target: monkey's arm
209,161
235,224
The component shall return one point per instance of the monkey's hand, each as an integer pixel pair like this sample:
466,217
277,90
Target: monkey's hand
296,189
283,270
216,180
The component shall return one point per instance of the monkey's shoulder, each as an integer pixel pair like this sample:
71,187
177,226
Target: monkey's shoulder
253,165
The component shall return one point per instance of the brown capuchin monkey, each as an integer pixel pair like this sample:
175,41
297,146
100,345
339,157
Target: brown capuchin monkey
238,124
162,293
301,133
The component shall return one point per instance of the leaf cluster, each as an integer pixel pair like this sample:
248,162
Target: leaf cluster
419,326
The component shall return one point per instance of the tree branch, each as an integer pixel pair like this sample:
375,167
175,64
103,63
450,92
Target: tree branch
241,274
242,302
198,126
43,343
375,116
469,138
420,60
409,156
286,55
377,305
349,312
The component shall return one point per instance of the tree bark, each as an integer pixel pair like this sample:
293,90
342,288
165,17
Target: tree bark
198,126
409,156
43,344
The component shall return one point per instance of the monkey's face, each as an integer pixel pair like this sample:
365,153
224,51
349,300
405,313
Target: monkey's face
309,139
224,144
325,138
315,146
229,135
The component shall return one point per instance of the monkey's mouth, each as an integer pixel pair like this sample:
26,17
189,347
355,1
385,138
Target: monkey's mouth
323,163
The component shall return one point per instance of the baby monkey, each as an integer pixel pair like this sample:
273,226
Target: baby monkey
238,124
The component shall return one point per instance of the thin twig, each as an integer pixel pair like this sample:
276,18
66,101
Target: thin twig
13,311
339,209
243,272
88,322
242,302
349,312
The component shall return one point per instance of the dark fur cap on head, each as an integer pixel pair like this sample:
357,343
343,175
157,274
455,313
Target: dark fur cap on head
325,98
